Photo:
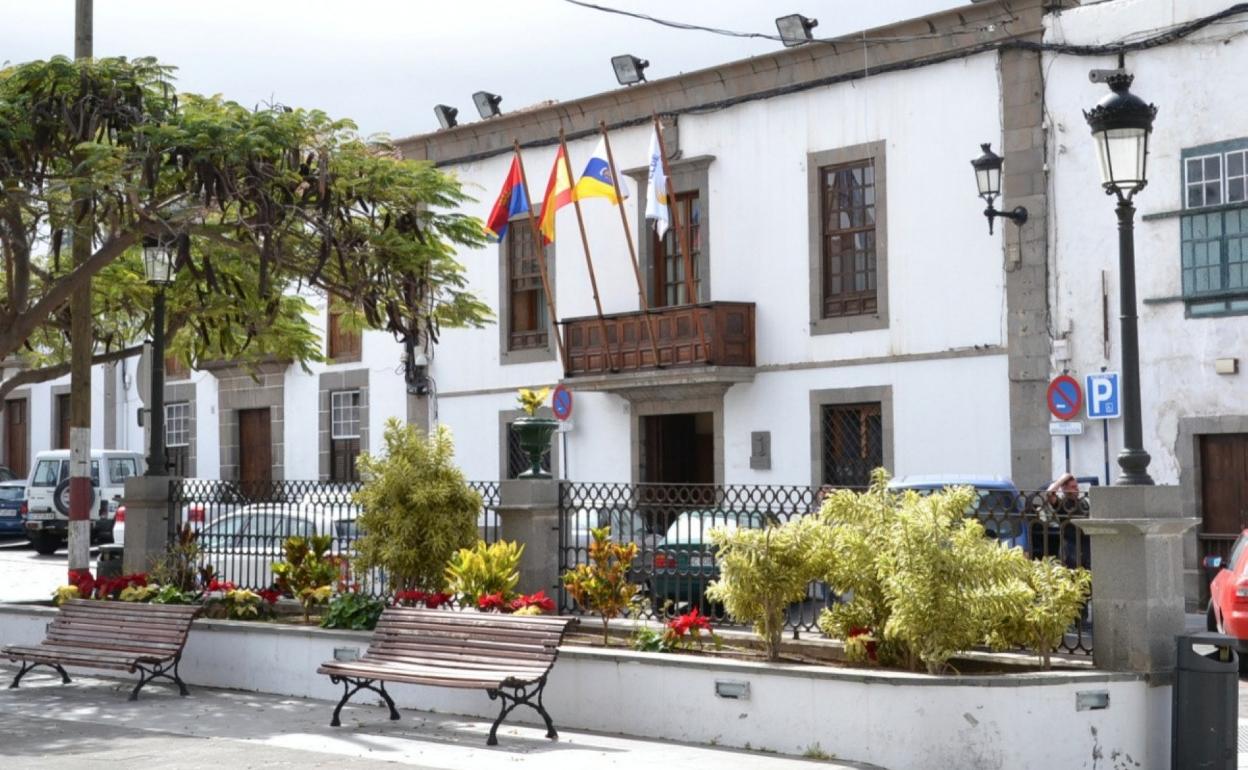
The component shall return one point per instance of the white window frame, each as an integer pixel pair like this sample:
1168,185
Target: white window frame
178,424
1226,176
344,414
1188,184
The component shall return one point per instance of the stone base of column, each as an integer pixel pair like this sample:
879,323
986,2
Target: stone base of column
147,522
1137,576
528,513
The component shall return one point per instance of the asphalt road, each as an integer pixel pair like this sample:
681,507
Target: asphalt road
27,576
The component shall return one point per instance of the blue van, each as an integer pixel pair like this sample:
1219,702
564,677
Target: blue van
1000,507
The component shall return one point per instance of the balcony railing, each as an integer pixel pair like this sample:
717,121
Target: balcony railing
727,329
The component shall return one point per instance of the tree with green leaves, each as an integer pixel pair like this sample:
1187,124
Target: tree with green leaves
272,206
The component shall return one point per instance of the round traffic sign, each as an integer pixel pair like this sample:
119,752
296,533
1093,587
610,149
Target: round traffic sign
561,403
1064,397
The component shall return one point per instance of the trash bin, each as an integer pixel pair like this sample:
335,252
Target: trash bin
1205,716
109,563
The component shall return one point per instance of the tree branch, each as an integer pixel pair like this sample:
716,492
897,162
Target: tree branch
43,374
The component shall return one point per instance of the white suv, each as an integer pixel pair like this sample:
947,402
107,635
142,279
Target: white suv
47,491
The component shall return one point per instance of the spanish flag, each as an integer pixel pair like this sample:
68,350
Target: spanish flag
559,193
595,181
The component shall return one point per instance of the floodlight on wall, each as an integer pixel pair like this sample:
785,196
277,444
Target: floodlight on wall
629,69
795,29
487,104
446,115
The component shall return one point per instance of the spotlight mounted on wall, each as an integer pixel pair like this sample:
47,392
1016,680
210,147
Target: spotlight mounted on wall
629,70
446,115
795,29
487,104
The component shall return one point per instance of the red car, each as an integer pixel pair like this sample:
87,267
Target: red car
1228,592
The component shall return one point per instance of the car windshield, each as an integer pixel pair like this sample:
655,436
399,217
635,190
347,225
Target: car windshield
47,473
12,493
121,468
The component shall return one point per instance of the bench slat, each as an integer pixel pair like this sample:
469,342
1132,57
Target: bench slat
473,664
477,647
429,648
484,678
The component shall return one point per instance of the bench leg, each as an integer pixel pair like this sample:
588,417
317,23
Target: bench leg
351,686
26,667
521,695
161,670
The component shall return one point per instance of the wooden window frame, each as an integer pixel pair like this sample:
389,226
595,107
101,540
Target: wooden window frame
817,165
340,344
881,395
512,351
666,293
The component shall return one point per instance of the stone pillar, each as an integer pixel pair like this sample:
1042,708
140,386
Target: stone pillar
147,522
528,513
1137,576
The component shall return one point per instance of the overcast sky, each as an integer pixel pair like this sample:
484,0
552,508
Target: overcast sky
385,63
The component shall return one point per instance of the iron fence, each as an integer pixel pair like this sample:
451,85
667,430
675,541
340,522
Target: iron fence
675,560
242,530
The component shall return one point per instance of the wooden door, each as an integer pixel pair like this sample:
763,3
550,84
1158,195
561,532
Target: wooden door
16,452
62,421
1223,493
255,452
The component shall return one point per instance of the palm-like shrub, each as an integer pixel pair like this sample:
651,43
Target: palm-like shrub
418,510
763,571
484,570
602,585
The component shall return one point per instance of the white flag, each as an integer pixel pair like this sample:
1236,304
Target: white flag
656,192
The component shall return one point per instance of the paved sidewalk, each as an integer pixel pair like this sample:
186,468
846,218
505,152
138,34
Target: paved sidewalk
89,723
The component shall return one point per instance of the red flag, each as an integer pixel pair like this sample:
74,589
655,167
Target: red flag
511,201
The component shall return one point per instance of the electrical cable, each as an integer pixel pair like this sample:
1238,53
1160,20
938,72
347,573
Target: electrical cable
1170,35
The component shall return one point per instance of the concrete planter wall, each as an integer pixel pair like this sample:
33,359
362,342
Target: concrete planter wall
899,720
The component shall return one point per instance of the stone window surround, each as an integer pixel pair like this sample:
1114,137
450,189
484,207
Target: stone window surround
881,394
816,161
184,391
679,400
1187,457
21,394
687,175
330,382
1219,149
508,416
54,413
507,356
260,388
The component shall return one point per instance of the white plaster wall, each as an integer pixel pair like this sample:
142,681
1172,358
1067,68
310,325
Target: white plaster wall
1176,354
387,390
207,427
945,279
301,423
890,719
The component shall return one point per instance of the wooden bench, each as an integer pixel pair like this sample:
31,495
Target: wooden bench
508,656
115,635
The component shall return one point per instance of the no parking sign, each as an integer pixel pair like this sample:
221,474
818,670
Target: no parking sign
1064,397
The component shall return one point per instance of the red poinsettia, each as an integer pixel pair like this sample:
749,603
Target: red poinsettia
270,595
436,600
216,584
691,621
488,602
540,600
871,645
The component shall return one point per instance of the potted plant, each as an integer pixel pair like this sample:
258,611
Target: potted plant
534,431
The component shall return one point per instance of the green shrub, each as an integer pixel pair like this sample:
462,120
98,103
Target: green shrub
417,509
924,582
763,571
353,610
309,572
180,565
171,594
484,570
602,585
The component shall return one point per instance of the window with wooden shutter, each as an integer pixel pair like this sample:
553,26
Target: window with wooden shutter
343,344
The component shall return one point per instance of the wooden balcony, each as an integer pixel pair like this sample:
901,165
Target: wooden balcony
727,328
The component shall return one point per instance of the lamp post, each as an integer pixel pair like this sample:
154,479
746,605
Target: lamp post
158,257
1121,124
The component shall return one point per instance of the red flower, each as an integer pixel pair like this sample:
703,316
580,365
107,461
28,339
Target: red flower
871,645
435,600
217,584
409,598
487,602
692,620
539,599
270,595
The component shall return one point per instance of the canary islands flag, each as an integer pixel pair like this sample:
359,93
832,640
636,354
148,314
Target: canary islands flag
656,190
596,180
511,202
558,194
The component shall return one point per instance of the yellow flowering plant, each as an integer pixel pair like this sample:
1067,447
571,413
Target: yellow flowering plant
532,400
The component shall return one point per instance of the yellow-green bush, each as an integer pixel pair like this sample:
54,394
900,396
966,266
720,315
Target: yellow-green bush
418,510
923,581
483,570
763,571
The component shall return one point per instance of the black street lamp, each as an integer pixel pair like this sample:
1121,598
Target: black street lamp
988,180
1121,124
158,265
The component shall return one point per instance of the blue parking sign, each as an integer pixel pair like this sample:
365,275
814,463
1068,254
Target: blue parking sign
1103,396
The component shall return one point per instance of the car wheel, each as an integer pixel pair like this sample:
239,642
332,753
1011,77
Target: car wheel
1211,618
45,545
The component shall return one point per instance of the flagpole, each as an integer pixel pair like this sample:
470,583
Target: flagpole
540,248
673,208
589,262
632,251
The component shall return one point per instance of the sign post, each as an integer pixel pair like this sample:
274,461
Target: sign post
561,405
1064,399
1104,404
